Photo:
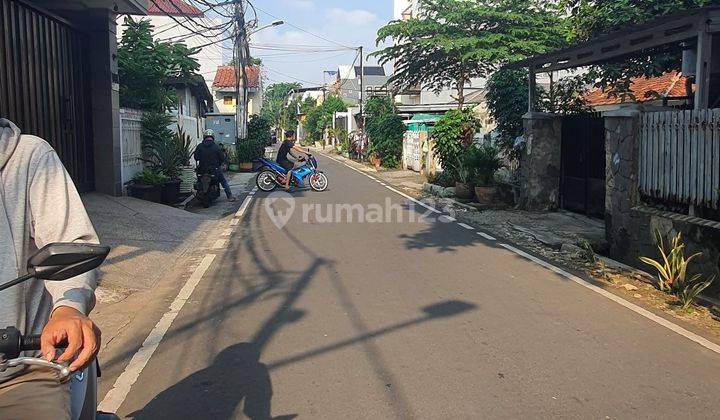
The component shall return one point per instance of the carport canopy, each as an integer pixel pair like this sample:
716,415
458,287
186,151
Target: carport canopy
694,26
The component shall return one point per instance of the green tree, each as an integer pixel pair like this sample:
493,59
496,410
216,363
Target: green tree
145,65
274,102
385,130
453,41
589,18
319,118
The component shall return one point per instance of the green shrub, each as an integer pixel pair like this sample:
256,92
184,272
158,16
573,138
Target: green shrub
482,162
161,150
149,177
385,131
248,150
259,130
672,271
453,134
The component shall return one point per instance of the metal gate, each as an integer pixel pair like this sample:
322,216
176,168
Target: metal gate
582,181
43,88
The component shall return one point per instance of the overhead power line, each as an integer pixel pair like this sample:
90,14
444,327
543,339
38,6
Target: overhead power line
304,30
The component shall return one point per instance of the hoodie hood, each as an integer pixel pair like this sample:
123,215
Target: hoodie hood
9,137
207,141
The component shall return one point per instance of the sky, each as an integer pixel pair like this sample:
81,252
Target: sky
348,23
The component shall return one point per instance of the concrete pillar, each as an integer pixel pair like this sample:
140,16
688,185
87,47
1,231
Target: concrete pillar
105,101
622,154
540,162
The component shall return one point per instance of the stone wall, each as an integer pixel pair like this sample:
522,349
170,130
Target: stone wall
630,227
540,162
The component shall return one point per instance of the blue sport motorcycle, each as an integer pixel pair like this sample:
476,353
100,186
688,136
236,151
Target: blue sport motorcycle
272,175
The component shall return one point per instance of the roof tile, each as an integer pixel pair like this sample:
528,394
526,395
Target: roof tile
225,77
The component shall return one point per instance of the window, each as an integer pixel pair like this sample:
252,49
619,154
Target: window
227,100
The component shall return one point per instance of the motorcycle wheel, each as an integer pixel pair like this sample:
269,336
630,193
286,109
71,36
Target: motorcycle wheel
318,182
265,181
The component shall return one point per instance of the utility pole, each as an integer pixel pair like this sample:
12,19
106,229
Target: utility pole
241,82
362,90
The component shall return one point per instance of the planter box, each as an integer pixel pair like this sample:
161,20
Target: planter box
234,167
171,192
146,192
187,179
246,166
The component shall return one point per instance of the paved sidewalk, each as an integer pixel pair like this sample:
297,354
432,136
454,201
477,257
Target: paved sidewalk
148,241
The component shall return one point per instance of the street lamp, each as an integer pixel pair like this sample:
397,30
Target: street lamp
269,25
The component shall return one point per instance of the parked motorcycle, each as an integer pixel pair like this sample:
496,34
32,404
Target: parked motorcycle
272,175
57,262
207,187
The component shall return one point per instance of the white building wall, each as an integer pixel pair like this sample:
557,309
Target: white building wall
209,57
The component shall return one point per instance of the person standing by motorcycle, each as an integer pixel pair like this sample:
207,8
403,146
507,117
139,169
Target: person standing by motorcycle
286,148
210,159
40,205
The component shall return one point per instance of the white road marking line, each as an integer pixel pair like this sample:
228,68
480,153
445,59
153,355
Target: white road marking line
447,218
418,202
244,206
114,399
227,232
234,222
635,308
468,227
220,244
486,236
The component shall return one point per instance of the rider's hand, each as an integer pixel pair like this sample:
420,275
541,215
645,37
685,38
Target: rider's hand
82,336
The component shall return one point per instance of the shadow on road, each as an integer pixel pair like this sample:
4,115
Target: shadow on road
237,377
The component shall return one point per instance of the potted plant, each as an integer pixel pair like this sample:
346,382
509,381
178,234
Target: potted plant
463,188
164,151
484,161
147,185
247,151
232,159
186,172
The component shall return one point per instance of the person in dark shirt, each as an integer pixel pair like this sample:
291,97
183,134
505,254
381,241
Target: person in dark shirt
286,148
210,159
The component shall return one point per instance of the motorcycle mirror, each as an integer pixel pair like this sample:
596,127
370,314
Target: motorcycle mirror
62,261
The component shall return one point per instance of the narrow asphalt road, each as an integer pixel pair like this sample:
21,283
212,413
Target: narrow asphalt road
330,318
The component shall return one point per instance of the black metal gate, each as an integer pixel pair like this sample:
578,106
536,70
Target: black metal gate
582,183
43,86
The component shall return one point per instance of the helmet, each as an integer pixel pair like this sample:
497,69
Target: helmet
208,133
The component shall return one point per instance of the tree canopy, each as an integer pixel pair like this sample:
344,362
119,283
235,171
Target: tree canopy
453,41
145,66
274,102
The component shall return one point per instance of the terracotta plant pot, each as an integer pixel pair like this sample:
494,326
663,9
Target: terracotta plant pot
375,161
485,195
246,166
463,190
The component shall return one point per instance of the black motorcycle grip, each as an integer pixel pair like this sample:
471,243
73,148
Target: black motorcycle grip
32,342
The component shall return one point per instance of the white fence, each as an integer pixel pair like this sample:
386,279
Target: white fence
130,144
680,156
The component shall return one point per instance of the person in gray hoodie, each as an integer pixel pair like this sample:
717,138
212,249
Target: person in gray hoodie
40,205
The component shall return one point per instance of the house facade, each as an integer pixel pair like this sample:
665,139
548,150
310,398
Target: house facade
66,89
163,15
347,84
224,90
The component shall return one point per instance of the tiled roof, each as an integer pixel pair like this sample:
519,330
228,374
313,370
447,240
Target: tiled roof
225,77
173,7
643,89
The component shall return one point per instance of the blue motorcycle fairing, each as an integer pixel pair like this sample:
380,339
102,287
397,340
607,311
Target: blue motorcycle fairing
298,173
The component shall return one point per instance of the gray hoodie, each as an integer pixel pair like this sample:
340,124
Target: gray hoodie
38,205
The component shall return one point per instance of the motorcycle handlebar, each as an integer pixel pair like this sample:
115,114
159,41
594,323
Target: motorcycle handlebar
30,342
